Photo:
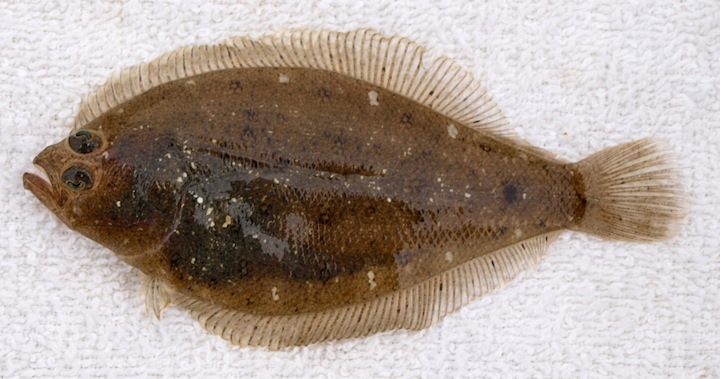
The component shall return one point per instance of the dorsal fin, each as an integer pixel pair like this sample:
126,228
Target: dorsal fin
393,63
415,308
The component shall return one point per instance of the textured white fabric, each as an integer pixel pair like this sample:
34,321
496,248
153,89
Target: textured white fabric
572,76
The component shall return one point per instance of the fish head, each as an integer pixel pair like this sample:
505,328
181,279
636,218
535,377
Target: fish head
71,169
84,189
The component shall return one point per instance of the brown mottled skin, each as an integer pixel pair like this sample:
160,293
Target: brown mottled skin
284,198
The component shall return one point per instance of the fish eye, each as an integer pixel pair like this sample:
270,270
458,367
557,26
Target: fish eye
77,178
84,142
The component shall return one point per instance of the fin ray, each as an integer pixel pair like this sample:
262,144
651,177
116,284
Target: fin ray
633,192
157,294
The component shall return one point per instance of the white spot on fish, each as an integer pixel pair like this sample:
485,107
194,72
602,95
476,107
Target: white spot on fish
276,181
518,233
192,261
209,211
452,131
371,280
284,79
192,164
275,295
227,222
467,195
117,203
449,256
200,200
373,98
524,195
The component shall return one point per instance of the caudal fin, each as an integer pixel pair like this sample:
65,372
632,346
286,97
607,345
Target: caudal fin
633,192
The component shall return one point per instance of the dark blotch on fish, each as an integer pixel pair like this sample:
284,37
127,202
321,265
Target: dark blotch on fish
510,193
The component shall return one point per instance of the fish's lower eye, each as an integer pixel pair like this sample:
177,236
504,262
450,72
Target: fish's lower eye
77,178
84,142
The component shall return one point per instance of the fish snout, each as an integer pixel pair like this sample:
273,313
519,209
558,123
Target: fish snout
45,189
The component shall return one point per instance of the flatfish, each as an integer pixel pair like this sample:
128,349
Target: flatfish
313,185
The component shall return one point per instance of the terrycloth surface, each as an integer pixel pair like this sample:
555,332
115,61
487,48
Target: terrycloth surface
573,77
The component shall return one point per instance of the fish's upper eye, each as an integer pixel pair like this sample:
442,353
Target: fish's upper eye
84,142
77,178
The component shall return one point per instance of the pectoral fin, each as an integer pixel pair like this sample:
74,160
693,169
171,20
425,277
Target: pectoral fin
158,294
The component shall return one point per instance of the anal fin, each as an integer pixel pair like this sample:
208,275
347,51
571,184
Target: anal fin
416,307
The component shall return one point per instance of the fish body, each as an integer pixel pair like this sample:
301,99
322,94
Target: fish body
317,185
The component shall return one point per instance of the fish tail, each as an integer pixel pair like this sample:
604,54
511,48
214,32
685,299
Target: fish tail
632,192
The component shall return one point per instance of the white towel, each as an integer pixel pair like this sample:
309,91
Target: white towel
572,76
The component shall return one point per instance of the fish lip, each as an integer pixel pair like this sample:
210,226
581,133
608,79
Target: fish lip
43,189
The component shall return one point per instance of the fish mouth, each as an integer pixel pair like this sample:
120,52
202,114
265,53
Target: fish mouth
43,190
